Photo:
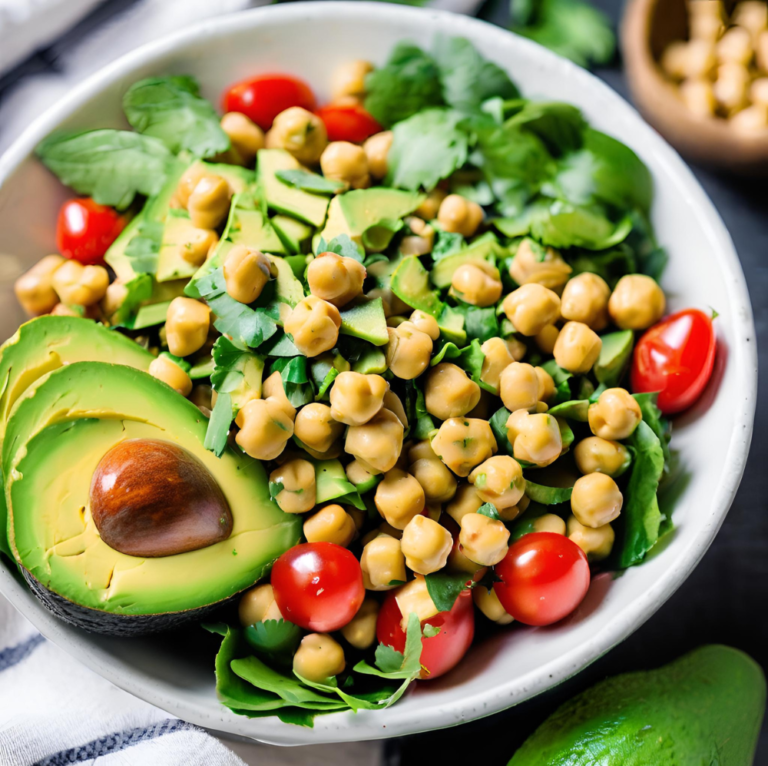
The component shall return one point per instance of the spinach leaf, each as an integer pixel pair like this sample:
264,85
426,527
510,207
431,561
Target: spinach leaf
293,374
218,426
408,83
421,423
446,243
444,588
171,109
576,409
659,424
426,148
611,264
563,225
547,495
498,423
479,323
467,78
560,126
309,182
112,166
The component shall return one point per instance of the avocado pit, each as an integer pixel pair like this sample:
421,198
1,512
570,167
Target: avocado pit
151,498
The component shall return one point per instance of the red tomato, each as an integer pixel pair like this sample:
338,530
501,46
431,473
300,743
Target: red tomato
675,357
348,123
544,577
85,230
442,652
262,98
318,586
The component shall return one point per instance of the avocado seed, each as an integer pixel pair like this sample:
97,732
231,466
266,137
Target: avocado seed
150,498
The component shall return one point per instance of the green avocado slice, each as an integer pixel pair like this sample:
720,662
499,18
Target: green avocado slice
56,437
704,708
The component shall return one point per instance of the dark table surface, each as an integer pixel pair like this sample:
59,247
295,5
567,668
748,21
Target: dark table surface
725,599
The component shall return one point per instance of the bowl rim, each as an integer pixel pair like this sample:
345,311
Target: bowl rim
379,724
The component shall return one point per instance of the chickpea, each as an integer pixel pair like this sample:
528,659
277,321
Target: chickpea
316,428
459,215
349,78
497,359
258,605
426,323
549,522
356,398
314,325
546,338
360,632
535,438
546,385
78,285
735,47
477,283
698,97
585,300
753,119
463,443
299,490
335,279
731,87
752,15
510,513
208,204
299,132
199,243
438,483
420,242
519,387
534,264
264,429
408,351
425,545
393,404
190,178
761,50
577,347
246,273
62,310
34,289
499,480
357,473
531,308
318,658
700,59
674,59
488,603
383,530
186,325
483,540
171,374
449,393
596,455
414,598
596,543
706,27
636,303
382,563
245,136
596,500
421,450
273,391
466,501
376,151
758,91
331,524
399,497
346,162
615,415
378,443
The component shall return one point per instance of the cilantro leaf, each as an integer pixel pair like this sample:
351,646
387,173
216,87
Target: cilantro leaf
426,148
218,426
112,166
342,245
139,289
489,510
237,371
310,182
467,78
393,664
444,587
171,109
275,488
408,83
293,373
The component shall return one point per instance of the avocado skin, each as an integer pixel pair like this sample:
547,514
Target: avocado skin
704,709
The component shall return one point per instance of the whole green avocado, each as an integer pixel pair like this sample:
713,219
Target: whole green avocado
704,709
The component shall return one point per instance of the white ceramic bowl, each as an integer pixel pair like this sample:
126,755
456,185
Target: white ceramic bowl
310,40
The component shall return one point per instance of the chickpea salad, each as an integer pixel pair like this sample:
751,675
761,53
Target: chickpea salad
419,336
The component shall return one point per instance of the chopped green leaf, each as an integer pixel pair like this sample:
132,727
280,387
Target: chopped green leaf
444,588
275,488
142,251
342,245
547,495
274,640
236,371
218,426
310,182
447,243
574,410
489,510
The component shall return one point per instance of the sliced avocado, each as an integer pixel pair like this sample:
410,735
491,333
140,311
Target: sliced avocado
115,255
484,250
372,362
357,211
56,437
451,324
614,357
366,321
150,316
177,234
332,484
238,177
295,235
410,283
704,708
248,384
547,495
282,198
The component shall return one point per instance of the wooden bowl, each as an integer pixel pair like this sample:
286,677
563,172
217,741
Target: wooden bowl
648,27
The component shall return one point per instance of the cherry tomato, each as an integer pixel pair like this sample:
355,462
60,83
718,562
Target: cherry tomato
544,577
675,357
262,98
85,230
318,586
442,652
349,122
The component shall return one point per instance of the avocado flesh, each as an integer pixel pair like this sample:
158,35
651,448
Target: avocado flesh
478,252
366,321
56,437
704,708
295,235
410,283
614,357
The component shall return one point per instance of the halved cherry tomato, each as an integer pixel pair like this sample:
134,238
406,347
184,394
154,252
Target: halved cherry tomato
262,98
675,357
318,586
442,652
348,122
544,577
85,230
